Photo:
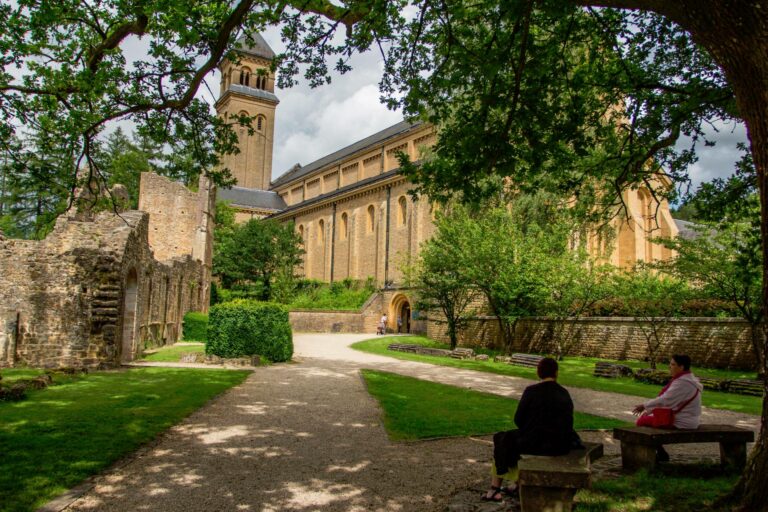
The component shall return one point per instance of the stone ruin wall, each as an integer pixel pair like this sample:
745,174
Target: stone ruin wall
63,299
711,342
180,221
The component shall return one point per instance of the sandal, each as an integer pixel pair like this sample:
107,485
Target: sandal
496,496
511,491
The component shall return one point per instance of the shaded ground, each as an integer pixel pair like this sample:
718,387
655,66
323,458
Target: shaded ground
307,436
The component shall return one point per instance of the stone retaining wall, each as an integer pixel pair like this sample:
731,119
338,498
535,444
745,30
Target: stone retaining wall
712,342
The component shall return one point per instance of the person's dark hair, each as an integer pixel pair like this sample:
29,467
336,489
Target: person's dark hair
547,368
683,360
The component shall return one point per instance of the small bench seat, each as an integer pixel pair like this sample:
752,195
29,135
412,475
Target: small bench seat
638,444
549,483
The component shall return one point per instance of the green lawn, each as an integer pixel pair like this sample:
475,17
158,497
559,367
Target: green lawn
57,437
418,409
173,353
574,371
671,489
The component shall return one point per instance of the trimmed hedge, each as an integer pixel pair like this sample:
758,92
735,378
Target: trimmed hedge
244,328
195,326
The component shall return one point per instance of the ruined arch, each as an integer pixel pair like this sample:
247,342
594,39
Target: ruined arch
130,304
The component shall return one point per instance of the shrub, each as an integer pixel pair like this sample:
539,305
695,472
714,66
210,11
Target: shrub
244,328
195,326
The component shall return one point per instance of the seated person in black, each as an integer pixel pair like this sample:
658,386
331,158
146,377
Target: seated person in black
544,419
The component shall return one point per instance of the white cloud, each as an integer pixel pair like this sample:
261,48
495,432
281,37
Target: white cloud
719,160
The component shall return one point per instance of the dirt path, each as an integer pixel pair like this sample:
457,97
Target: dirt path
307,436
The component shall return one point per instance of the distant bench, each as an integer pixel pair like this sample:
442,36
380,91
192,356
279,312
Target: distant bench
530,360
551,482
638,444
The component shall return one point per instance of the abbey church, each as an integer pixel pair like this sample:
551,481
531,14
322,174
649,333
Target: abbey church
352,207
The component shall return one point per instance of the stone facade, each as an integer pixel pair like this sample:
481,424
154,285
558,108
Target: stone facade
92,293
711,342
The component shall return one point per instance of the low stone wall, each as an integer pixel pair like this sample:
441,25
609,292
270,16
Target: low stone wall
364,320
326,321
711,342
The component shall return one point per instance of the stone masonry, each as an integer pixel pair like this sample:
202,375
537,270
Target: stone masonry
93,293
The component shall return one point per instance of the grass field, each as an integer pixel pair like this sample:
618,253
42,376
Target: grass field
173,353
58,436
418,409
574,371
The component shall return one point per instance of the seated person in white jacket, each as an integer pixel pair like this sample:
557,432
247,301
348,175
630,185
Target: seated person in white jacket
682,394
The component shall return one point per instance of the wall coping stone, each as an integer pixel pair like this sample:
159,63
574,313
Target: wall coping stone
628,319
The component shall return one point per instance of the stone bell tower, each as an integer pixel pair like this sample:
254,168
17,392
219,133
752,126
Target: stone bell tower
248,87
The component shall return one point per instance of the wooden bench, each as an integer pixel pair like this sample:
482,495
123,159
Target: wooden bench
638,444
549,483
530,360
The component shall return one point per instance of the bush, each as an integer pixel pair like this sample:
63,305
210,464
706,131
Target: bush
244,328
346,294
195,326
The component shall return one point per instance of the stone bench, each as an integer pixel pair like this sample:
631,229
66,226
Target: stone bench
529,360
611,370
638,444
463,353
549,483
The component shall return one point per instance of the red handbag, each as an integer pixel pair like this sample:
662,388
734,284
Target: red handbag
664,417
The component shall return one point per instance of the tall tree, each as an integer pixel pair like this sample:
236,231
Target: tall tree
441,279
256,253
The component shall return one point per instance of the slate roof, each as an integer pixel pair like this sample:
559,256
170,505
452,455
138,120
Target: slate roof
685,229
256,93
297,172
254,44
251,198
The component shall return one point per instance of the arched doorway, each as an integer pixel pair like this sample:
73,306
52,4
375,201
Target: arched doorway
400,314
129,316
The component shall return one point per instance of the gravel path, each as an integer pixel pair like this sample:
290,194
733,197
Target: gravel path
307,436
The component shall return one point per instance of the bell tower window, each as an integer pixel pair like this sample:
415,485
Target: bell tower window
245,77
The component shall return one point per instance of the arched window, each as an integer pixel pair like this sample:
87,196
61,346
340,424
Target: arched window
371,218
260,123
301,231
245,77
402,210
321,233
262,82
344,226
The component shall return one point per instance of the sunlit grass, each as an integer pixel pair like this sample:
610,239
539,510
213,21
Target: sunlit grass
173,353
574,371
418,409
59,436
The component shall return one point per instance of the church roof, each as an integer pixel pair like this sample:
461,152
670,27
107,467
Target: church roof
686,229
297,172
251,198
252,91
254,44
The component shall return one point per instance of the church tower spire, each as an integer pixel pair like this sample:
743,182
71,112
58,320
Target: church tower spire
248,87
